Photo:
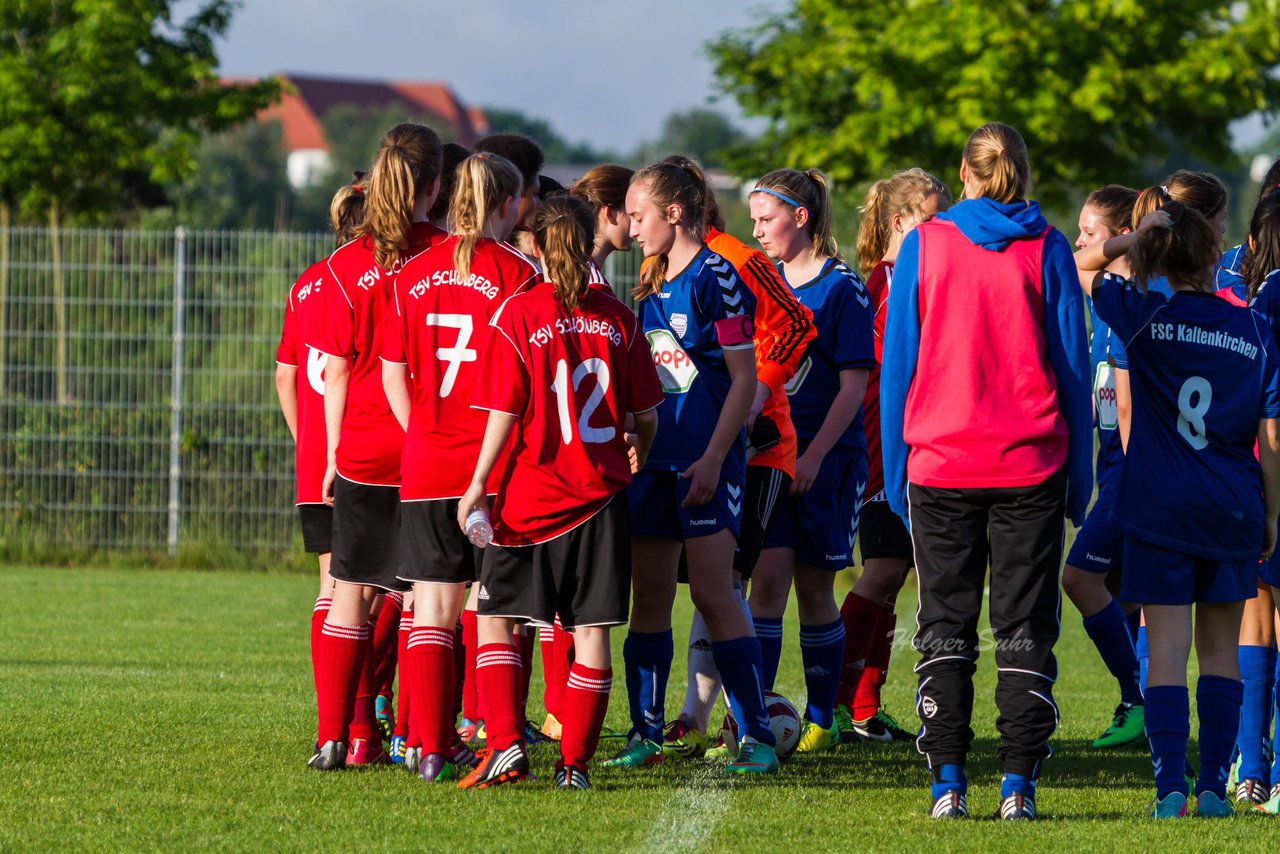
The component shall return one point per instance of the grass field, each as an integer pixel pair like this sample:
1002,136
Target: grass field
174,710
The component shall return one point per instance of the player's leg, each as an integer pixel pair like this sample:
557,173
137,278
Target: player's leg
471,727
341,649
400,747
821,649
1257,658
949,528
1169,636
867,717
1026,529
770,590
386,630
499,671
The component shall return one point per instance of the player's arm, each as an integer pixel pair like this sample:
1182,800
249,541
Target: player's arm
337,377
1124,406
640,437
1269,457
1093,258
853,389
287,392
784,329
395,382
496,431
704,474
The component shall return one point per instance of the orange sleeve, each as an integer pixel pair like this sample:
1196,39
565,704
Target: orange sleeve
784,327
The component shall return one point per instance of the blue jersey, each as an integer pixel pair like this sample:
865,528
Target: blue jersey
1105,410
703,311
1203,372
844,318
1229,276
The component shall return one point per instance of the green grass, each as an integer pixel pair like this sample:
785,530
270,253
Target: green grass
174,710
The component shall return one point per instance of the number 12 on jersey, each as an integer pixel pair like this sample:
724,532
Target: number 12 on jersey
564,400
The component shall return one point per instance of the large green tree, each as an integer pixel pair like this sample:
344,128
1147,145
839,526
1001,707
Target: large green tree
101,103
1097,87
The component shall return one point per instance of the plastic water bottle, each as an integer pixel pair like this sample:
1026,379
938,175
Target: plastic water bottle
479,531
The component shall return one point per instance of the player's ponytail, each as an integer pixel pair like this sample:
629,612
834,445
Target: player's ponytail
902,195
563,230
1184,252
809,190
1199,191
485,181
346,211
1263,256
406,166
670,184
996,155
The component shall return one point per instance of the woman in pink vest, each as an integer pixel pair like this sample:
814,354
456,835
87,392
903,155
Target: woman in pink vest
986,421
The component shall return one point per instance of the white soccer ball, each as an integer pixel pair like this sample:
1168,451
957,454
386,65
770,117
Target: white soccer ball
784,720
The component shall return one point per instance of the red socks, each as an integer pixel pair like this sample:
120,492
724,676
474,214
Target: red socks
385,633
860,617
551,693
364,722
524,645
430,655
499,677
562,661
340,651
406,683
866,700
470,694
318,615
586,699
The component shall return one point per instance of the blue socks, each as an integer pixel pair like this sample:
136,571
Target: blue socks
740,670
1168,715
648,664
1257,673
1143,652
822,650
769,633
1134,622
1017,784
947,778
1109,631
1218,702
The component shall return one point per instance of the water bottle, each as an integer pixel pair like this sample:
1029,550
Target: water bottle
479,531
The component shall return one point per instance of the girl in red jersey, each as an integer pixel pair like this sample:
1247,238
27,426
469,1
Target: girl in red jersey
364,442
300,387
891,209
567,369
437,330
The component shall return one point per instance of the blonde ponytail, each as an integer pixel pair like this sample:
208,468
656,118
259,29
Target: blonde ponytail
406,165
484,181
564,231
808,190
997,159
903,194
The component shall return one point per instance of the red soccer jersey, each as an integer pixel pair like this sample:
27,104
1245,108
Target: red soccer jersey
438,327
571,377
878,288
371,443
303,315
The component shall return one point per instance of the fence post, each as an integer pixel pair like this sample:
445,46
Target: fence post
175,423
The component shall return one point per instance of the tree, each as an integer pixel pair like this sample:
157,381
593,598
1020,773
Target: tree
705,135
102,102
863,87
555,148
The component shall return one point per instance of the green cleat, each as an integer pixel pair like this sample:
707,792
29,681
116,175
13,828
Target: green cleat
1173,805
883,726
1271,807
720,753
638,753
815,739
753,758
844,725
386,715
1209,805
1127,726
683,740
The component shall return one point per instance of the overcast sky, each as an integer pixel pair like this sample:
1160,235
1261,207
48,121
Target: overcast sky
600,71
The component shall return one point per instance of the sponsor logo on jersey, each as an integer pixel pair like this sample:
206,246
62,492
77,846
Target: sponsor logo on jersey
680,324
694,523
676,370
1105,561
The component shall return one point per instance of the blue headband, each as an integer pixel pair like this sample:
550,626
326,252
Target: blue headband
778,195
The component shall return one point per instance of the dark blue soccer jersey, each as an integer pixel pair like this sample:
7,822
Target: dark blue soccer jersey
705,310
1105,409
844,318
1203,372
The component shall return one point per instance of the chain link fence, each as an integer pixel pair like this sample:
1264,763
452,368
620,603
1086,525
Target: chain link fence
137,399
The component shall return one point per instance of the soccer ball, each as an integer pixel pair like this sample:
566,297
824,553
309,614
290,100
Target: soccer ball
784,720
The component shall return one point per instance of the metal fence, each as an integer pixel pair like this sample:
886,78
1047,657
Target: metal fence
137,402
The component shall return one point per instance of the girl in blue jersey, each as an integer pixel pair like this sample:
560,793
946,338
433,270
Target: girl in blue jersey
1205,383
1259,774
697,315
816,523
1097,552
1228,278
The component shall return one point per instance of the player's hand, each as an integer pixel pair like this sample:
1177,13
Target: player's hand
757,405
703,477
807,467
633,452
473,499
1154,220
1269,539
326,489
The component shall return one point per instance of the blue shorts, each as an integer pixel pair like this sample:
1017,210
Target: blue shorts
1269,573
655,497
1158,576
1099,545
822,524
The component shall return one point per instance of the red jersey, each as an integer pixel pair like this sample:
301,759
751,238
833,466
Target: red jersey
878,288
303,315
438,327
355,307
571,377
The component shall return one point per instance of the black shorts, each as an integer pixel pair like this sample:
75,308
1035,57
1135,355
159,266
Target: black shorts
584,575
435,548
765,486
366,535
883,534
317,528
